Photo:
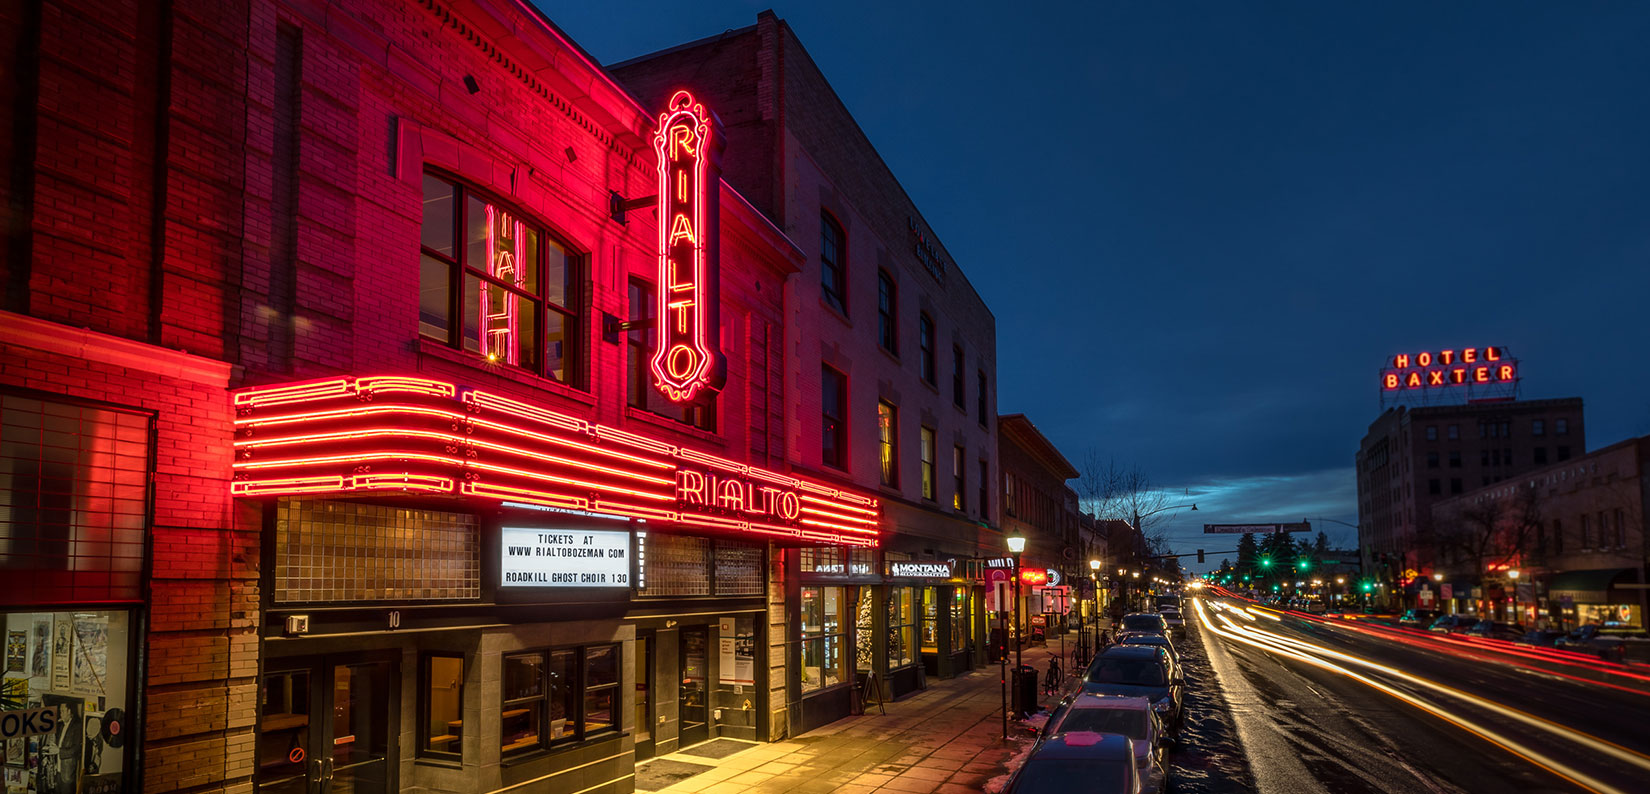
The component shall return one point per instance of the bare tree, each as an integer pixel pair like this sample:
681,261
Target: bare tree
1116,492
1492,531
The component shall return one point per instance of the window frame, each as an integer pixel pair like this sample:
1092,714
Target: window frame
641,341
425,682
959,388
580,690
833,291
888,443
985,488
982,399
959,478
887,312
835,427
928,442
824,637
460,271
925,349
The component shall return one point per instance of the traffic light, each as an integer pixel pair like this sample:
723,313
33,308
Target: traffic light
1199,556
1246,577
1304,565
1366,587
1266,562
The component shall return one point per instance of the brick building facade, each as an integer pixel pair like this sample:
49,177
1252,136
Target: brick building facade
266,371
891,383
1575,531
1413,457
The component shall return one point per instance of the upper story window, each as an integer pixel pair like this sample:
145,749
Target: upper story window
1454,432
492,283
887,308
1432,432
925,341
640,342
959,392
959,479
833,263
888,442
928,443
1561,426
1538,427
980,398
833,413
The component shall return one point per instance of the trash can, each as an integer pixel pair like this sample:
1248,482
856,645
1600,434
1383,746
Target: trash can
1024,687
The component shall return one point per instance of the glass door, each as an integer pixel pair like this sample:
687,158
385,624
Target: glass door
693,695
644,682
325,727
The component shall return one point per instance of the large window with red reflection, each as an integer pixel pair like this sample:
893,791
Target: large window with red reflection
640,342
493,283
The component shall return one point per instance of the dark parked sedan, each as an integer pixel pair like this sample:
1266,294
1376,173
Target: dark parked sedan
1101,763
1496,631
1139,671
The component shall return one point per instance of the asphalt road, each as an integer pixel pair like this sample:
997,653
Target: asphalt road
1314,715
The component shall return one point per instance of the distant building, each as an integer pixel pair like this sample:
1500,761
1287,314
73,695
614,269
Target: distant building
1038,504
1574,531
1413,457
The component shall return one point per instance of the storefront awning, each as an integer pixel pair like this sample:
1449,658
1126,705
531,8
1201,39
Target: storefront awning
1586,587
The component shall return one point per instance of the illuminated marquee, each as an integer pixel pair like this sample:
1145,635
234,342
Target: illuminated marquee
396,435
685,360
1464,367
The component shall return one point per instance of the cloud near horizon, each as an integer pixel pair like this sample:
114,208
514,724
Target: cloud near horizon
1263,499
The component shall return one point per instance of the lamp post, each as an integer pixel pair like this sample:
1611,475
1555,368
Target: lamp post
1016,546
1094,580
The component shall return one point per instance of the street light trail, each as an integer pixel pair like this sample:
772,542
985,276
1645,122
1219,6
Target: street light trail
1274,643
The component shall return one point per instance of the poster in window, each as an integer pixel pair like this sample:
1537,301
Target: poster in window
91,654
17,651
58,765
62,646
41,664
744,651
93,764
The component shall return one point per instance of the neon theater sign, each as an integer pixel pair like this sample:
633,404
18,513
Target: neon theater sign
399,435
1470,366
685,361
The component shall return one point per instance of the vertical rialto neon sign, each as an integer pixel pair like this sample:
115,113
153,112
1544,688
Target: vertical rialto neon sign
686,360
497,307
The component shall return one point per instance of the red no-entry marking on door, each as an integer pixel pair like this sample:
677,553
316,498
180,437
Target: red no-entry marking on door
296,756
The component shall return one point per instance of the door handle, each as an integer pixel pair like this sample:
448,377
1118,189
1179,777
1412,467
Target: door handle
327,762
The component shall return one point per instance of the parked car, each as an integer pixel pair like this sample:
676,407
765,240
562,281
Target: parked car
1454,624
1541,638
1079,761
1139,671
1152,639
1496,631
1143,623
1127,716
1168,601
1173,619
1418,617
1614,642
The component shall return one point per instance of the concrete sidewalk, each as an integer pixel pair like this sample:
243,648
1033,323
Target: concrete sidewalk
947,738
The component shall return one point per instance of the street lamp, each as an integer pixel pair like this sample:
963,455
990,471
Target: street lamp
1016,546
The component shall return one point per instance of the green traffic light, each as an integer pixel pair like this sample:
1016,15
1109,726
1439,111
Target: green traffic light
1266,562
1246,577
1304,565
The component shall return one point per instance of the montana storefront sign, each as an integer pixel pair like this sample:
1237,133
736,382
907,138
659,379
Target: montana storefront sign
393,434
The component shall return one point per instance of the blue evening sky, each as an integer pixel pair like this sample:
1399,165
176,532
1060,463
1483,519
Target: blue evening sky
1203,226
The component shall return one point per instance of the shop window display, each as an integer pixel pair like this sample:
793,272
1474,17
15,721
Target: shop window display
553,697
930,620
959,620
823,637
902,626
77,662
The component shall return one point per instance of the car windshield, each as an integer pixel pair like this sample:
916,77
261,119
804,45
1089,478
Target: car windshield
1146,639
1063,774
1130,723
1142,623
1135,672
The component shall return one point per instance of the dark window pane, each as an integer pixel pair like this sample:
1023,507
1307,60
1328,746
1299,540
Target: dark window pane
437,230
434,298
563,695
558,344
601,666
